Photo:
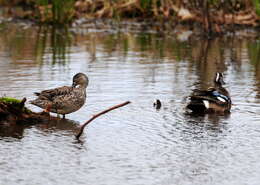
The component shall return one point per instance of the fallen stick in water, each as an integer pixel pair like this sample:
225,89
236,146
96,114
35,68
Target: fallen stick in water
99,114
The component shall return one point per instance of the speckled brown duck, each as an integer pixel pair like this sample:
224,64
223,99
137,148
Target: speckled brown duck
66,99
214,99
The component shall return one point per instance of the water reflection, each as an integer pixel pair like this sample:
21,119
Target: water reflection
15,131
54,41
254,54
210,122
136,144
64,126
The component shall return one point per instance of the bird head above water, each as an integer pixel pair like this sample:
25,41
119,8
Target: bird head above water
80,80
219,79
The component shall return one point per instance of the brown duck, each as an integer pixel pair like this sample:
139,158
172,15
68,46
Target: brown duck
66,99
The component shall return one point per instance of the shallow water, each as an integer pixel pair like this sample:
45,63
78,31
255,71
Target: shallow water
135,144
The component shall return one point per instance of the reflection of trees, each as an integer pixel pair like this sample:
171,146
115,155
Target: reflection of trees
210,56
36,44
17,43
254,54
53,42
205,56
208,59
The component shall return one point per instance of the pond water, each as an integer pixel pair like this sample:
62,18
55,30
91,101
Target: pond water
136,144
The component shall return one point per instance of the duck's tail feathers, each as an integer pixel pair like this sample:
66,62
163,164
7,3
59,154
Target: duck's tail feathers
40,102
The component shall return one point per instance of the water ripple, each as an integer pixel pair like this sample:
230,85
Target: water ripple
135,144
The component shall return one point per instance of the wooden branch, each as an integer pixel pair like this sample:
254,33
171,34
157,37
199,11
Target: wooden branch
22,103
99,114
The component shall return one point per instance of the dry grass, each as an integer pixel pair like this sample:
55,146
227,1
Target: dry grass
210,14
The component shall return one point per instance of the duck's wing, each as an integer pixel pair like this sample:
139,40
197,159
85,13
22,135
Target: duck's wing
223,91
211,95
69,102
64,101
51,94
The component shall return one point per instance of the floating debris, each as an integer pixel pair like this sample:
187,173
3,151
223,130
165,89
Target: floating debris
157,104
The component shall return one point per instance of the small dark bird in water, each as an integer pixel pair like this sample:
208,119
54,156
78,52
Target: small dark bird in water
64,100
214,99
157,104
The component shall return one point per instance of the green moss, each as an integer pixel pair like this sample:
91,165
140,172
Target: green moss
13,101
10,100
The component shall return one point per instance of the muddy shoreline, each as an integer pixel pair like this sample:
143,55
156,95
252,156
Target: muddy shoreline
181,31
